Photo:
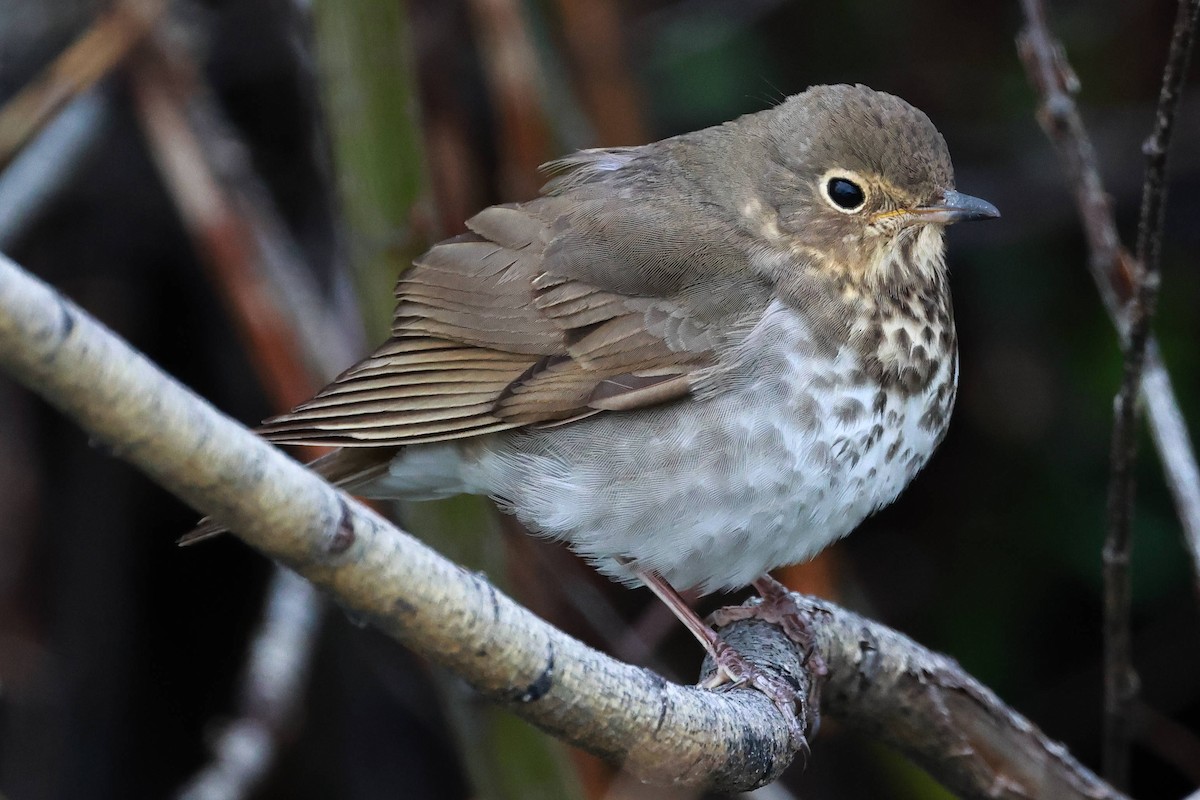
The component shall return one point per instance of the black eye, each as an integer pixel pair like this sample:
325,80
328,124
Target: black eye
845,193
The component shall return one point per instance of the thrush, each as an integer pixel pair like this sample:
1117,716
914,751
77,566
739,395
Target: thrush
692,361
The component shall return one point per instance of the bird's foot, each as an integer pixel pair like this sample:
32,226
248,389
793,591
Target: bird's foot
779,608
731,666
735,669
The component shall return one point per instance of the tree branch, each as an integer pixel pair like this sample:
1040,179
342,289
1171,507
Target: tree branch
923,704
880,682
295,341
659,731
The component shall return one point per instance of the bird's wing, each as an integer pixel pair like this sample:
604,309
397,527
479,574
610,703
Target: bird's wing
595,297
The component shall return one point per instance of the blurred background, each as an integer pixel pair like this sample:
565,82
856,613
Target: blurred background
239,189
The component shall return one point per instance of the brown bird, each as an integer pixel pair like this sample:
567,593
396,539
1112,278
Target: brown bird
693,361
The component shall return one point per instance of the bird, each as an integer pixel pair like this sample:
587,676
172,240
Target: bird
693,361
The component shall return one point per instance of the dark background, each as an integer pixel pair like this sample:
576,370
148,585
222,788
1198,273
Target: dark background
119,652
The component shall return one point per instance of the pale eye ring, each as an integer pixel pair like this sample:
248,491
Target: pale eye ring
844,192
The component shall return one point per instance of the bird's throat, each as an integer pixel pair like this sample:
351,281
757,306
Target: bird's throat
903,324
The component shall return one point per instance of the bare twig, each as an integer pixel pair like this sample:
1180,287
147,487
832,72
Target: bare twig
1129,288
1120,680
660,731
1154,189
880,682
100,48
1170,433
1110,265
1055,82
1149,246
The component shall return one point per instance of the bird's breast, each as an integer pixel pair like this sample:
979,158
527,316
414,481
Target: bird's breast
867,418
784,458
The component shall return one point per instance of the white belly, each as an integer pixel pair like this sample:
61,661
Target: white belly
710,493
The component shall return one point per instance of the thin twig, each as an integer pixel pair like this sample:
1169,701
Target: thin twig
1149,245
880,682
1170,433
1154,189
1111,267
1120,680
1128,287
1056,83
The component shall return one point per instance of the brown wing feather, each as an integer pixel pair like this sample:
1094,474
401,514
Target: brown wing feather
576,303
413,389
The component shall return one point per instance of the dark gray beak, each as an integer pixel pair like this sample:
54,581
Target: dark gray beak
957,207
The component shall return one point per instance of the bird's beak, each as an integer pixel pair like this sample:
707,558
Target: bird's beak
956,207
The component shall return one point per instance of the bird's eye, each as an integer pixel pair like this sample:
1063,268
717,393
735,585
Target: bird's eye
845,194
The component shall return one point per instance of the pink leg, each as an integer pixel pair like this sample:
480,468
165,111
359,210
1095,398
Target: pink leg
732,667
697,627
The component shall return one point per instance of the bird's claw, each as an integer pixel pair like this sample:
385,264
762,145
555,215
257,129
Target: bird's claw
777,607
734,669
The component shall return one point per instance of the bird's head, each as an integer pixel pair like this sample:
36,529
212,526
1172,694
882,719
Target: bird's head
859,183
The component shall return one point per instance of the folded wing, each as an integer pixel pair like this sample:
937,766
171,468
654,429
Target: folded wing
600,296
